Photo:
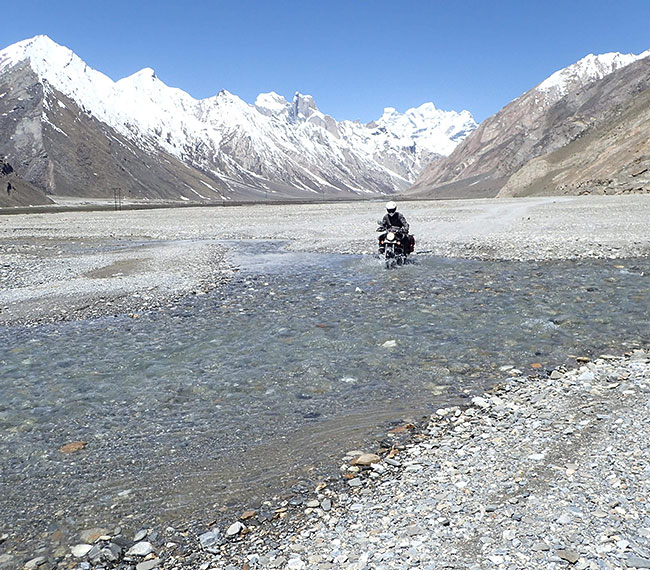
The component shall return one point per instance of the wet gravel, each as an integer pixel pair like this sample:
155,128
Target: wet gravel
543,472
548,471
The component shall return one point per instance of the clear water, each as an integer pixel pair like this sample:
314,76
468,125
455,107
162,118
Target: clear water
228,397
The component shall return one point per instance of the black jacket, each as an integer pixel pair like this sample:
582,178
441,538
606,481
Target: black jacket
396,220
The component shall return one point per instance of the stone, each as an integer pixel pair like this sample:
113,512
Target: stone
80,550
111,552
140,535
95,553
35,562
313,504
6,560
390,344
540,547
638,562
326,505
211,541
295,564
148,564
412,530
480,402
91,535
234,529
140,549
355,483
246,515
571,556
366,459
73,446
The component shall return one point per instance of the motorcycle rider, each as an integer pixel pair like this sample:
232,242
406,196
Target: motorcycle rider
395,219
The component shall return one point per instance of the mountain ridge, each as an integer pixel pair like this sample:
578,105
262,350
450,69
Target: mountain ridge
502,144
268,146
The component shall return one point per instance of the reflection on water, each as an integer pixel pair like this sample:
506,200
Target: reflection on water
228,395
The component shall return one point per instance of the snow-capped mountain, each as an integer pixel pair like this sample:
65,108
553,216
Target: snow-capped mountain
588,69
542,120
273,145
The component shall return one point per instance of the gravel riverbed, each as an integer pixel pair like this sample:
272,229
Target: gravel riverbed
546,471
56,266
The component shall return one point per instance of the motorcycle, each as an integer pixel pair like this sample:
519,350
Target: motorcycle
394,246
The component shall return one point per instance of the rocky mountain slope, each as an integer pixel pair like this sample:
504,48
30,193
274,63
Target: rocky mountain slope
14,191
546,141
72,131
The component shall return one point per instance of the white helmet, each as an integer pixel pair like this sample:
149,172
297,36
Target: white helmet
391,207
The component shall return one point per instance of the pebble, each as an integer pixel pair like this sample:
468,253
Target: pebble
80,550
35,562
140,535
90,536
636,562
569,555
234,529
140,549
366,459
148,564
211,540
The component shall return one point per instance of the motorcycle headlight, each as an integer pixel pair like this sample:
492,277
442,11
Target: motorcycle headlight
390,236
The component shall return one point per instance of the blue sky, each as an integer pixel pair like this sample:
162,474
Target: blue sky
355,56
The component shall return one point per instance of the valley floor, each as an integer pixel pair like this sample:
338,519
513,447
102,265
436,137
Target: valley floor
83,264
547,471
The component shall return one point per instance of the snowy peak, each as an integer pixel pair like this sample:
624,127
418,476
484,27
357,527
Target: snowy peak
271,104
303,107
588,69
273,141
144,76
437,131
39,50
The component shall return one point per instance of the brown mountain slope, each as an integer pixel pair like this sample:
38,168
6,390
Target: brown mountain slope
14,191
529,128
611,159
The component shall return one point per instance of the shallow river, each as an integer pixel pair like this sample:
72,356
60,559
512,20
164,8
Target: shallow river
232,396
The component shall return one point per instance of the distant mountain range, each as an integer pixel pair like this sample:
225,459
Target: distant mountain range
69,131
585,129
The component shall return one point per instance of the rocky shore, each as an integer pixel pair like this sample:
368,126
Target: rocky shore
546,471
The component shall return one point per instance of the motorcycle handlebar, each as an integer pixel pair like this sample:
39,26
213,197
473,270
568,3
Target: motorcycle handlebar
392,229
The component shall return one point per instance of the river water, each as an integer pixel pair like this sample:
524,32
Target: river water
229,397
